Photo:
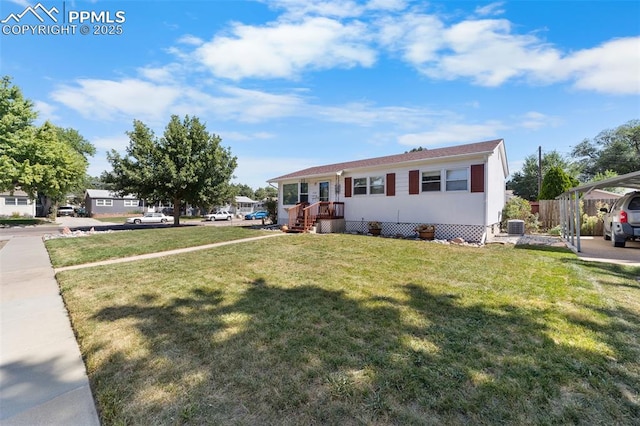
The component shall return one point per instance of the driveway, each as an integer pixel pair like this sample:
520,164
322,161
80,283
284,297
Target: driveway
598,250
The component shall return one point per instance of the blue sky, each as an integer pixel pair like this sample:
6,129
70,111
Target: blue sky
289,84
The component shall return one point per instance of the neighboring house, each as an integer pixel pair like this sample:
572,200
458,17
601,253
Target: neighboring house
601,194
16,203
460,189
243,205
102,201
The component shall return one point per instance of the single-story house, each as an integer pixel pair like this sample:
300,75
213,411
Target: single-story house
459,189
17,202
102,201
243,205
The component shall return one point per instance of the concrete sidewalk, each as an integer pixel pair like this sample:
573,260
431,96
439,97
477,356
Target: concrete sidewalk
42,375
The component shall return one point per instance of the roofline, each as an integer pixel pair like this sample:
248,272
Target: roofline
473,154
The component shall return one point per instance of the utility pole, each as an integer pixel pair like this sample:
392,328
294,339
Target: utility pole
539,169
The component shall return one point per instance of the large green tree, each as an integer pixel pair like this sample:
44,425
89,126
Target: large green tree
188,164
46,161
615,150
524,182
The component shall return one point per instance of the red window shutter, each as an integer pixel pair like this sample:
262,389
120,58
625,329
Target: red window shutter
414,182
477,178
347,187
391,184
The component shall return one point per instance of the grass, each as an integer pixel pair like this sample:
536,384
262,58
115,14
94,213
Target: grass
75,251
340,329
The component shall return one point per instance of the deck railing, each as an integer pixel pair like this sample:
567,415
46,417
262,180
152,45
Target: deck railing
305,215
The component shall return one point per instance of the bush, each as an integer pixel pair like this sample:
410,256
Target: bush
519,208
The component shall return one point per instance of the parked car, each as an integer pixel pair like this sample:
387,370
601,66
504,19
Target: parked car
256,215
218,215
622,221
81,212
150,218
66,211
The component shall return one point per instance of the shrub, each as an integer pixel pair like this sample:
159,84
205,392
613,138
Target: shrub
519,208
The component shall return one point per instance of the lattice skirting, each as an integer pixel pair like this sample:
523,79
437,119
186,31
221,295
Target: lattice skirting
471,233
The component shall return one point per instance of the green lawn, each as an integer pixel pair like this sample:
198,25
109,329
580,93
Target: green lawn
75,251
343,329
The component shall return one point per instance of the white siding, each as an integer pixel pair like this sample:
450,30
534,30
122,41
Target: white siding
454,207
495,187
9,209
443,207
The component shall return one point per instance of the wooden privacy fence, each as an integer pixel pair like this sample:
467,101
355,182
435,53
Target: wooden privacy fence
549,212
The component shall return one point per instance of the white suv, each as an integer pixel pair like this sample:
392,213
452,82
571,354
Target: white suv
622,221
66,211
218,215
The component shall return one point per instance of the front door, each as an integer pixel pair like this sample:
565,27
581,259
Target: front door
324,191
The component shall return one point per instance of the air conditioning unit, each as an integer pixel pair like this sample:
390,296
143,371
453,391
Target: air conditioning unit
515,227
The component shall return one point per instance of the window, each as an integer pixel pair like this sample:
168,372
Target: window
131,203
304,192
289,193
431,181
370,185
16,201
376,185
360,186
457,180
104,203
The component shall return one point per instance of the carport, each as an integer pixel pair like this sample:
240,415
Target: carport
570,204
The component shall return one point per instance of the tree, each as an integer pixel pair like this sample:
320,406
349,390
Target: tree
187,164
555,182
524,183
242,189
16,126
266,192
418,149
617,150
44,161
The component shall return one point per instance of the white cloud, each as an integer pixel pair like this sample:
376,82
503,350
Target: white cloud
490,9
534,120
487,52
107,99
613,67
453,133
284,49
190,40
45,111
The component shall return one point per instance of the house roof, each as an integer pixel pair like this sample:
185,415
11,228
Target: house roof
105,193
243,199
16,193
428,154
